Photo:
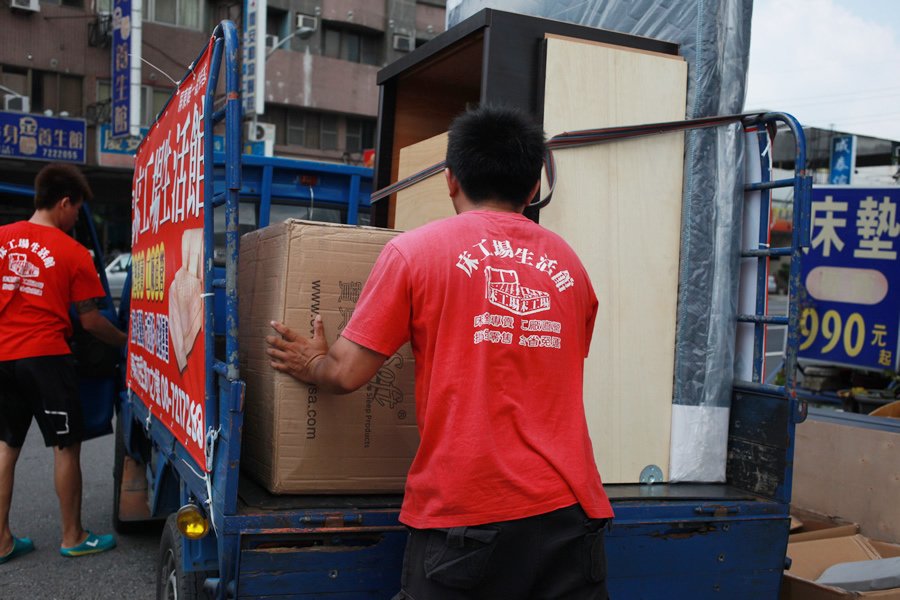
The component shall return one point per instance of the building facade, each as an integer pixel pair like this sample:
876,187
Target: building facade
321,99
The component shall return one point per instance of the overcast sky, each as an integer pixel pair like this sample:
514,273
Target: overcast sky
830,63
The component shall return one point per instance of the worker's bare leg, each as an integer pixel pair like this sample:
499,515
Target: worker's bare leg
67,478
8,458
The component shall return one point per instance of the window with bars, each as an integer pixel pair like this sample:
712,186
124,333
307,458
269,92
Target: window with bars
182,13
48,90
351,45
312,129
153,100
360,135
303,128
329,134
316,130
69,3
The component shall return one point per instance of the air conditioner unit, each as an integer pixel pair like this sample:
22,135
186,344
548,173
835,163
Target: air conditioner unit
404,43
25,5
260,132
16,103
259,138
271,41
307,22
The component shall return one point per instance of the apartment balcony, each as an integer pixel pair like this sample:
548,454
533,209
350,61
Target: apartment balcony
313,81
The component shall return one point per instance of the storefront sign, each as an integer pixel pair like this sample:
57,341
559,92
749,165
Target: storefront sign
121,68
121,145
843,159
42,138
851,273
253,65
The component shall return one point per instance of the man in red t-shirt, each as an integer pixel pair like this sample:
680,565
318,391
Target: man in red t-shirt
503,498
44,271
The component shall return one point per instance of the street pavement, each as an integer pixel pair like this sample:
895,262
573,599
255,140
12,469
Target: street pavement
125,572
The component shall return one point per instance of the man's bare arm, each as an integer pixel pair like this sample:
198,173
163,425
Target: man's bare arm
98,325
342,368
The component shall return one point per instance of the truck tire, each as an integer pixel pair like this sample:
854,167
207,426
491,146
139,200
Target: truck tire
172,581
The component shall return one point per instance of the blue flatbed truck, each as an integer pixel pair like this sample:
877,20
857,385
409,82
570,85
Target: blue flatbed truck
236,540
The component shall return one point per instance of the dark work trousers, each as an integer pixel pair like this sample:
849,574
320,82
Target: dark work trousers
555,556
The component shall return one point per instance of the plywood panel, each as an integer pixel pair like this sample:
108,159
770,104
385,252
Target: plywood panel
619,206
850,472
428,97
428,200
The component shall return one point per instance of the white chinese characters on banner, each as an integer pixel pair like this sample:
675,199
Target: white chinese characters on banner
175,170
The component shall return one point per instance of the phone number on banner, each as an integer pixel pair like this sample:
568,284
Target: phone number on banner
169,397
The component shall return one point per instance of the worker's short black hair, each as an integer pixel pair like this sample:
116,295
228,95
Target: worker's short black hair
58,180
496,152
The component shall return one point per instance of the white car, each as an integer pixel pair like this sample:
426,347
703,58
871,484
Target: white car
116,271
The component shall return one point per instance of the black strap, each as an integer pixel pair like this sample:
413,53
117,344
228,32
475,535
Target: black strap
583,137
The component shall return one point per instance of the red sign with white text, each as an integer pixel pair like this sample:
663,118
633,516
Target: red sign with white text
166,348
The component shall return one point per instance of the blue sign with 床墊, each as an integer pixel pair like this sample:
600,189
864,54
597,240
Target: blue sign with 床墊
850,314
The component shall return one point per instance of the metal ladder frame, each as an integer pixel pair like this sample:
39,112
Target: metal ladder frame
801,183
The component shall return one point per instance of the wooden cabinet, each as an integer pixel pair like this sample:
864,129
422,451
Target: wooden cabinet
493,57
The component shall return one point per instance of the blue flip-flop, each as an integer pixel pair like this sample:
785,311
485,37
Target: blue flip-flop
20,546
92,544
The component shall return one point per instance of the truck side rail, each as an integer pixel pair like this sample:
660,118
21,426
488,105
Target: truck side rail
272,180
762,425
226,35
801,183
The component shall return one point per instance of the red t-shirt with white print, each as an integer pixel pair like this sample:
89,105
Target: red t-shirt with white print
500,313
42,271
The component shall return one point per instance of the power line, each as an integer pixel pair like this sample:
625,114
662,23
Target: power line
890,116
825,64
796,106
837,96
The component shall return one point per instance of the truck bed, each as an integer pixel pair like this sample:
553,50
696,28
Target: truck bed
252,497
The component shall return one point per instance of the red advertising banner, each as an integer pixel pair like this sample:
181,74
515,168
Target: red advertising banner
166,347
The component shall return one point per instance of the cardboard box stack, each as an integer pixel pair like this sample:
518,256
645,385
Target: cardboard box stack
821,543
298,439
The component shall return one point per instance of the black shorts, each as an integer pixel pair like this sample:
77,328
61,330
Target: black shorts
559,554
43,387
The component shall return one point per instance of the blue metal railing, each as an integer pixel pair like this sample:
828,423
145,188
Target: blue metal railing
225,46
801,184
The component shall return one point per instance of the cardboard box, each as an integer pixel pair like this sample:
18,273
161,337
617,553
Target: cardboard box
843,469
891,410
811,525
811,558
296,438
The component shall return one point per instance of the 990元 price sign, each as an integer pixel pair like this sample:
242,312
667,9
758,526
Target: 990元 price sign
851,275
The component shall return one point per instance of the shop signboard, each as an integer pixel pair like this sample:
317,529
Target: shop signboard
121,68
38,137
850,311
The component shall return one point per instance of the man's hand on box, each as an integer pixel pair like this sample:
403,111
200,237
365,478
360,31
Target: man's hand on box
344,367
295,355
